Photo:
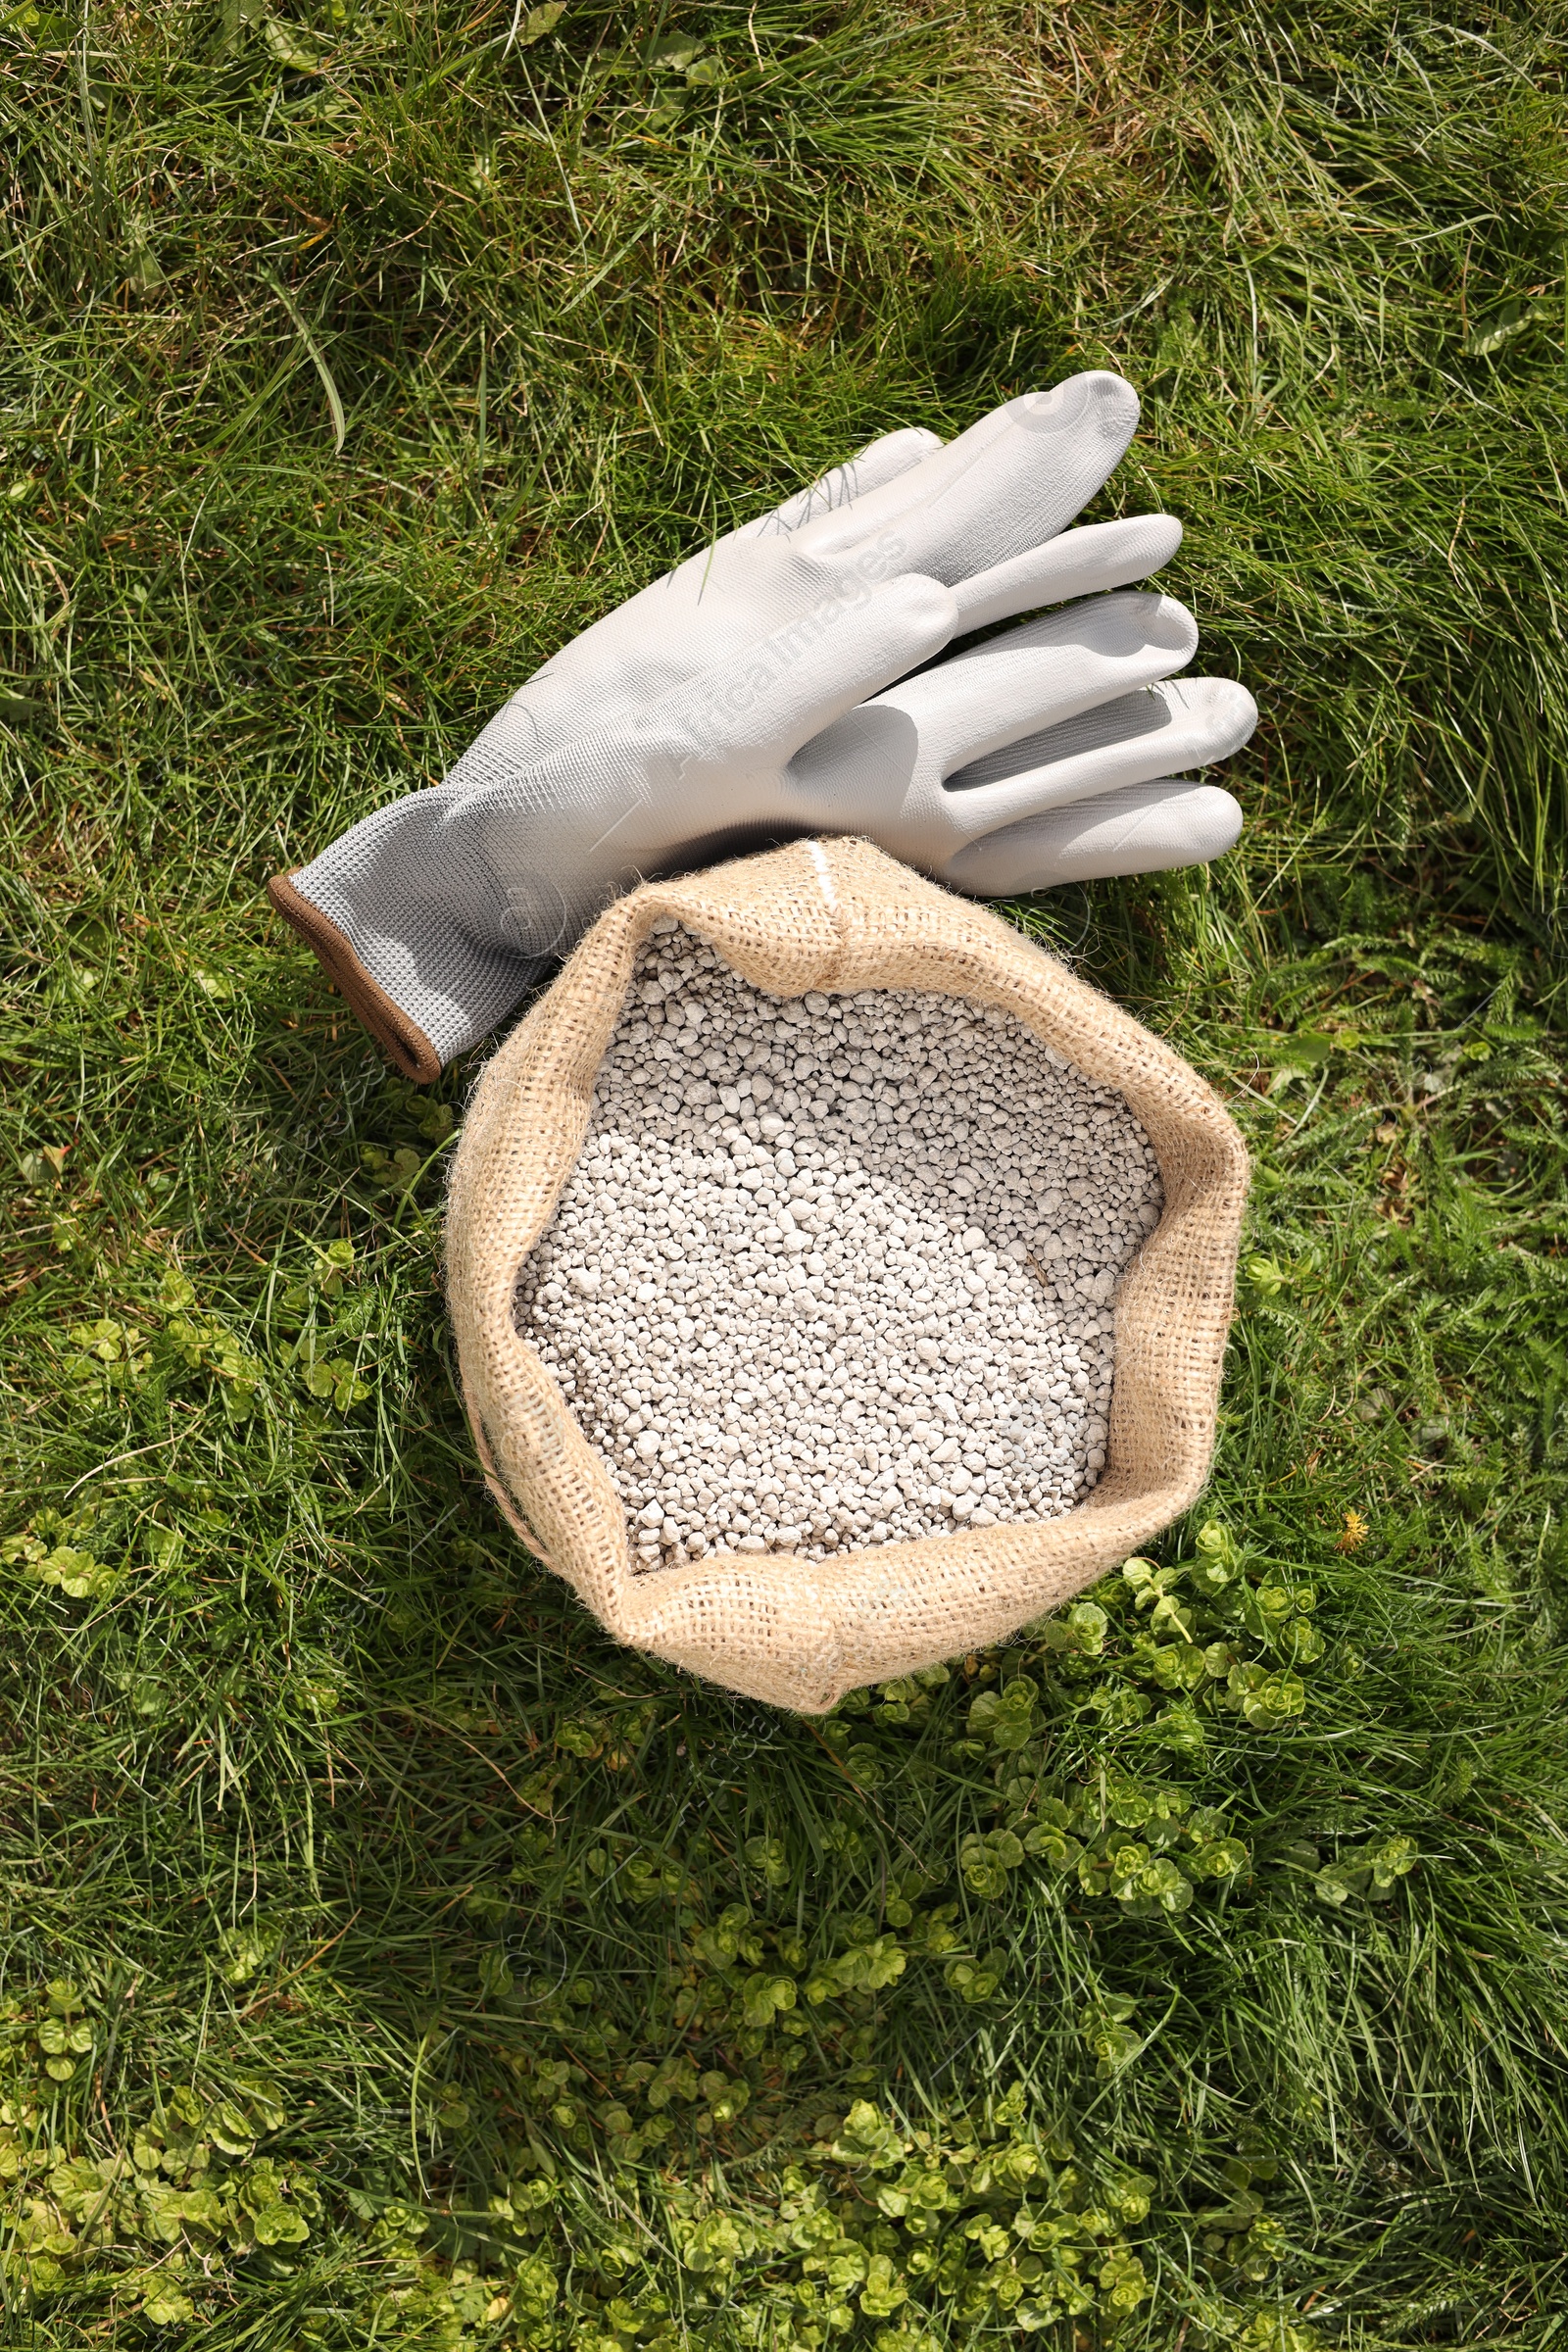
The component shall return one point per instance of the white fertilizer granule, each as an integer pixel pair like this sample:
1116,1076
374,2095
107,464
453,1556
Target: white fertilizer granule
836,1270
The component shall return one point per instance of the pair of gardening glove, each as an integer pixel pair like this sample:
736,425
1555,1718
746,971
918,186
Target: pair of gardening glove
785,682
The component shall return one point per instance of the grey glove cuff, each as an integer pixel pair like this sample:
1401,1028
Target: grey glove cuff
394,927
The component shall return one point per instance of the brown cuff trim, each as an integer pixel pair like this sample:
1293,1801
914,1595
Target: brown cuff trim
388,1023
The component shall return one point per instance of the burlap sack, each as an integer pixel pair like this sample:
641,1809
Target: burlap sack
836,914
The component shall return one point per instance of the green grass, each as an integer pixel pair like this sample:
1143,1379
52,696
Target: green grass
386,1959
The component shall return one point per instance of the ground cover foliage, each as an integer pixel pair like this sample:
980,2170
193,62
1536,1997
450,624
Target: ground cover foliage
386,1958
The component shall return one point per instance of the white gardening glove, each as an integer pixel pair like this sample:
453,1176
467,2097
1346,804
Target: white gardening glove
712,711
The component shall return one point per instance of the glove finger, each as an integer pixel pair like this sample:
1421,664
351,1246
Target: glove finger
1010,483
754,712
1039,675
1084,563
1183,722
1142,829
870,468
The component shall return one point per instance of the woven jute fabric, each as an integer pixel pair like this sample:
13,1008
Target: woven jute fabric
797,1633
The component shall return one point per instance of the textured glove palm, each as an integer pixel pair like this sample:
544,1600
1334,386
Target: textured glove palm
747,696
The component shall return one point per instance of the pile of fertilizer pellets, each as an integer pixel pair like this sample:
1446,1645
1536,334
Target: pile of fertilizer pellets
836,1270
